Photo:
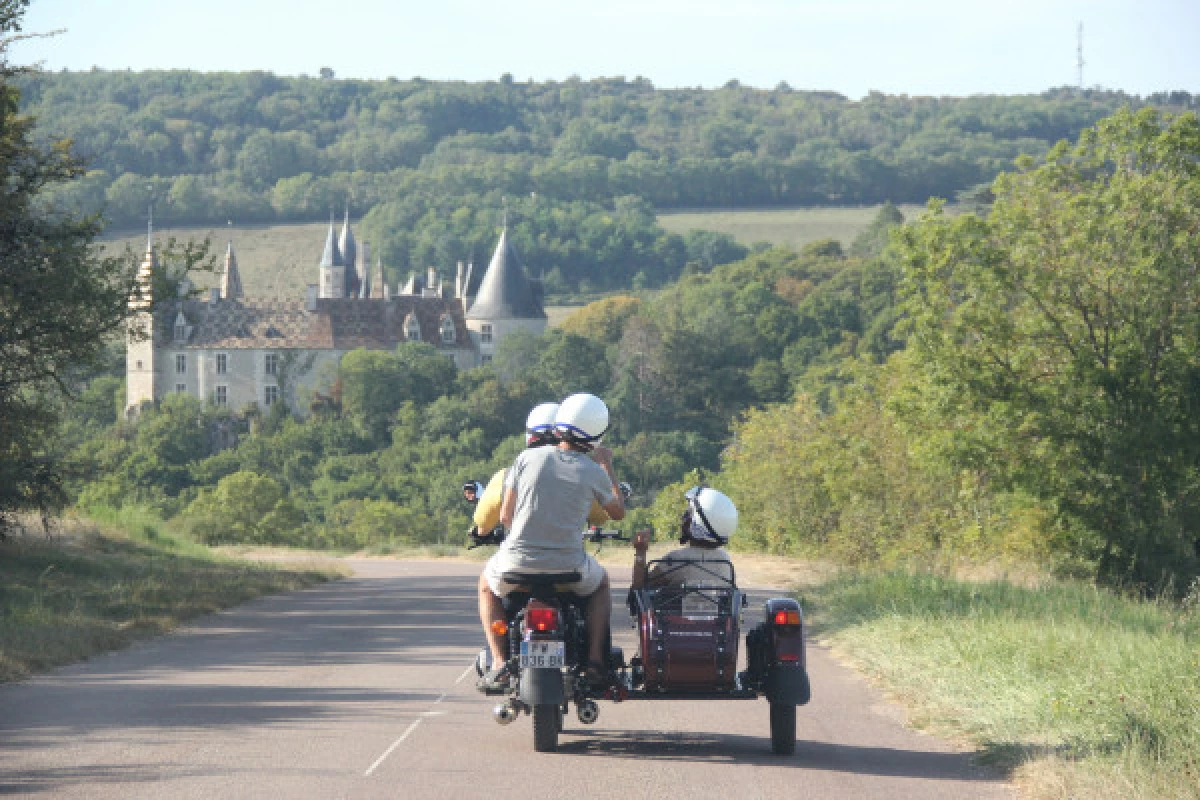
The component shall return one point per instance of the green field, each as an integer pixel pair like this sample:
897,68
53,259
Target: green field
280,260
795,227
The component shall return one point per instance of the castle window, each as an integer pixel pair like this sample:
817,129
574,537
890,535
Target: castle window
180,363
181,388
221,396
412,329
222,363
270,395
180,327
485,333
139,365
448,330
486,358
272,364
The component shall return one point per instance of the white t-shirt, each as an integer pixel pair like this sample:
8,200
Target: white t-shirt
719,573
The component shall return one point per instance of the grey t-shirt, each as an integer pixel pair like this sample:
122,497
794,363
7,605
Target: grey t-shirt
555,489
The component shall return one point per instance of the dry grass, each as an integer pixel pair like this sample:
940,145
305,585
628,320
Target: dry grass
93,588
794,227
1078,691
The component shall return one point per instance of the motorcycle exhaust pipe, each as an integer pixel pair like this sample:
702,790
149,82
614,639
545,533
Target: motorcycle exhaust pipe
588,711
505,713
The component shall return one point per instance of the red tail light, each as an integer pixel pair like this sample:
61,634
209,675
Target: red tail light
787,617
541,619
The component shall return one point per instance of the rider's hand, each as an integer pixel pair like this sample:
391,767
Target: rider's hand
641,541
602,455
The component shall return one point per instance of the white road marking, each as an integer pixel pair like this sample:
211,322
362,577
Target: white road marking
395,744
420,716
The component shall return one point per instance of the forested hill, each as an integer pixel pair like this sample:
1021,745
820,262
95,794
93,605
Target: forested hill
255,147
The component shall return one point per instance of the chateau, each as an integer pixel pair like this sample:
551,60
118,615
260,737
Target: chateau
235,351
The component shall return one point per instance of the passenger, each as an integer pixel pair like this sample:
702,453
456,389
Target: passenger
711,518
547,494
471,491
539,432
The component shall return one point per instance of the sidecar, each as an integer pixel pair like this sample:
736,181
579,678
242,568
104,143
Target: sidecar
689,635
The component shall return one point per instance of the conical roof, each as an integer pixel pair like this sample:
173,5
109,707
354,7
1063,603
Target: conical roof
231,279
349,249
143,295
332,257
505,292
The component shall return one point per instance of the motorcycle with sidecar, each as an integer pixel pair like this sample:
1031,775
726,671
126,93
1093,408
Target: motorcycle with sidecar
688,641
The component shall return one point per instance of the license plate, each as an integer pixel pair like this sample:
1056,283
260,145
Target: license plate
543,655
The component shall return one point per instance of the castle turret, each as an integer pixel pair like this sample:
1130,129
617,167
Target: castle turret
332,269
231,279
140,339
506,302
378,287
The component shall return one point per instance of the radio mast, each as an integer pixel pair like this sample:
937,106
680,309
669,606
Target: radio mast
1079,56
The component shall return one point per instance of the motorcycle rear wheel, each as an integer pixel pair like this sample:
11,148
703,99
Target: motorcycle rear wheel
783,729
546,723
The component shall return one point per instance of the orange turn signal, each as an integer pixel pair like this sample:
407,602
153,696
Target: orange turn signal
500,627
787,617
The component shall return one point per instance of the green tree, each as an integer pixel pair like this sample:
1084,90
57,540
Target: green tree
58,299
1065,329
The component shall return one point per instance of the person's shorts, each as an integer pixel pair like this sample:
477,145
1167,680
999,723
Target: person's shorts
592,574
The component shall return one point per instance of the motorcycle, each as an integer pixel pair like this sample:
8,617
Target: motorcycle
547,640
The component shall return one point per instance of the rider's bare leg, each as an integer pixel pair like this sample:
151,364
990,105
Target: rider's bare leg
598,612
491,609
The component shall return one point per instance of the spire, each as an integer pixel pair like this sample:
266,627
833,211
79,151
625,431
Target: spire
377,285
506,292
144,293
349,250
231,279
332,257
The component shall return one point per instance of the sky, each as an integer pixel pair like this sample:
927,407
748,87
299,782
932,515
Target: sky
915,47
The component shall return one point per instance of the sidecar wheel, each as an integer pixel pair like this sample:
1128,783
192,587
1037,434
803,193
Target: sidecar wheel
545,727
783,729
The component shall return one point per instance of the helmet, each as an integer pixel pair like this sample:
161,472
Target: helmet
581,419
473,486
714,517
539,425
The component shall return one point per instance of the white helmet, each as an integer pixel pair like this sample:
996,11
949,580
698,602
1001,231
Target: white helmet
582,418
714,516
540,422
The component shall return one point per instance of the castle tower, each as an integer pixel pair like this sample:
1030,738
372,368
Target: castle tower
332,279
231,279
140,367
363,268
378,287
507,301
349,250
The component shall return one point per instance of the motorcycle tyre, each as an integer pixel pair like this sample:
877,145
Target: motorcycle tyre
783,729
546,723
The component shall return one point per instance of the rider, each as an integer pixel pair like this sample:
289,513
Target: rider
539,432
547,494
711,518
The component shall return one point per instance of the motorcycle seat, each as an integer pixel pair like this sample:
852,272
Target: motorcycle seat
541,578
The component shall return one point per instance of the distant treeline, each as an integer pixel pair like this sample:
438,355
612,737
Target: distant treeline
255,148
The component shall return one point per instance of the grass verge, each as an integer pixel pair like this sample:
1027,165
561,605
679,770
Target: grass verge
1079,692
99,586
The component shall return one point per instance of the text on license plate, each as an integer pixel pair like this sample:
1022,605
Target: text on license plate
542,654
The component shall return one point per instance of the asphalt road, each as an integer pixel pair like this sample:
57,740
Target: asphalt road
360,688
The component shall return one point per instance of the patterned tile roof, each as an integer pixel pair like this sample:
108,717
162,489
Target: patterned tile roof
337,323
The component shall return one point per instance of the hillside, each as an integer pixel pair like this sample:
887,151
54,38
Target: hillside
256,147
